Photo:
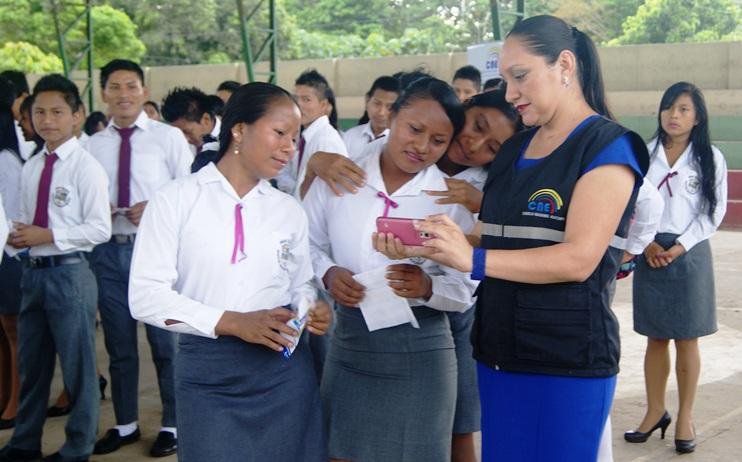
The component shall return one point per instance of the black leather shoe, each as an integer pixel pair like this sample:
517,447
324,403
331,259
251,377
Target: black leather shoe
58,411
642,437
7,423
57,457
165,445
685,446
8,454
113,441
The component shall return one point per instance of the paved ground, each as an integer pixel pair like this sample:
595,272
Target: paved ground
718,414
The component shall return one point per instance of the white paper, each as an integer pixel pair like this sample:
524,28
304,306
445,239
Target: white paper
381,307
298,324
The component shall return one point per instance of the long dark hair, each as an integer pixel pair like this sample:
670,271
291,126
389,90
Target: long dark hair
438,91
247,104
548,36
495,99
8,136
333,117
703,154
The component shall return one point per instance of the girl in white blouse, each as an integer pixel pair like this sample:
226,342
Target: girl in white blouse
674,281
223,258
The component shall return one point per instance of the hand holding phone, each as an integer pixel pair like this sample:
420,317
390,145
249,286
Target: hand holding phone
403,229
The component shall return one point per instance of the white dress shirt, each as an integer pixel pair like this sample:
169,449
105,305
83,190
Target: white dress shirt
319,136
159,154
213,145
182,270
685,212
79,210
647,215
4,229
83,140
10,183
26,147
340,228
358,137
476,176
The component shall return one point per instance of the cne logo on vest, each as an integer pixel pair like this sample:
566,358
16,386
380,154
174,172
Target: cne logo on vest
544,203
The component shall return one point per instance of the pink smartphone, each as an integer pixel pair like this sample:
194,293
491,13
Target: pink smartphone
403,229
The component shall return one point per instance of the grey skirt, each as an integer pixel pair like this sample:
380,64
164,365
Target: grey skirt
677,301
390,395
468,411
10,285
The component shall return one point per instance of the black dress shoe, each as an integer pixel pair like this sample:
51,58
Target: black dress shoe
57,457
165,445
113,441
685,446
8,454
7,423
642,437
58,411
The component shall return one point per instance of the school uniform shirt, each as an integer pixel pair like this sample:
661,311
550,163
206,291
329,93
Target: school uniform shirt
83,140
10,183
26,147
318,136
79,210
647,215
340,228
159,154
4,230
358,137
213,143
684,211
182,265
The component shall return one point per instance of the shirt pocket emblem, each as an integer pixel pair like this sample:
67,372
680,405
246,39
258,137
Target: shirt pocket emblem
61,196
284,253
692,184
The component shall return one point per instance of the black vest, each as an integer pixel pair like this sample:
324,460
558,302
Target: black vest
558,329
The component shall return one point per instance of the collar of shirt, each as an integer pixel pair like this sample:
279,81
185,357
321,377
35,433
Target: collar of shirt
65,149
315,126
369,133
142,122
217,128
683,160
211,174
419,183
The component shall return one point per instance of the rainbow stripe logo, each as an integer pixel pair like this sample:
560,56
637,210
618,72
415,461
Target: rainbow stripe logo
545,201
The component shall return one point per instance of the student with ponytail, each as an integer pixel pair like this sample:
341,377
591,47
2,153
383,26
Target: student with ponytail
222,257
674,281
555,214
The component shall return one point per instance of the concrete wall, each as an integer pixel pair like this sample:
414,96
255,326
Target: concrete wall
635,75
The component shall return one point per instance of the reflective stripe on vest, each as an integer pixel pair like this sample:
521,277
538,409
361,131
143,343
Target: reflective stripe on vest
534,232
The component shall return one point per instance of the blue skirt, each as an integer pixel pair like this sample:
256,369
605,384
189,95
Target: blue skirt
241,402
534,417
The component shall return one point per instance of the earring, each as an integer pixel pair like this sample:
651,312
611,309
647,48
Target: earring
236,151
565,81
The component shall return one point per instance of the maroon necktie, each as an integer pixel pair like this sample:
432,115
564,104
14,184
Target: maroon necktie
666,182
302,143
124,165
41,216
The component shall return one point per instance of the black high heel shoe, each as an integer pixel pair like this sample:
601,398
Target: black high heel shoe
102,383
686,446
642,437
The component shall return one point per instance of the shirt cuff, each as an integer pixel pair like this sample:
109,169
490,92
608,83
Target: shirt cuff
687,240
438,301
60,237
204,320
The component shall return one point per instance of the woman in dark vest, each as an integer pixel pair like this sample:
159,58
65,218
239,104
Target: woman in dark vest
554,217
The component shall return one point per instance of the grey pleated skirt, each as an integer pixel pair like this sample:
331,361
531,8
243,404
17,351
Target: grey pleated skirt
677,301
390,395
468,418
242,402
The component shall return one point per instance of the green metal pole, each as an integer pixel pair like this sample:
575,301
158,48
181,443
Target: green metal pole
91,85
60,39
246,52
496,29
274,43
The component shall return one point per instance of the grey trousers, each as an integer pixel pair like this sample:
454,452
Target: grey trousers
111,263
58,317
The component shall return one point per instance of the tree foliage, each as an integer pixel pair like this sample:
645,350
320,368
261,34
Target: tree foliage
28,58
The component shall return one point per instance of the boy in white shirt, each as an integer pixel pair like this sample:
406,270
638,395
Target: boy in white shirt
140,156
64,213
375,122
311,92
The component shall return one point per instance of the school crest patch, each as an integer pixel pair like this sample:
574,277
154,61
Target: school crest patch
61,196
284,253
692,184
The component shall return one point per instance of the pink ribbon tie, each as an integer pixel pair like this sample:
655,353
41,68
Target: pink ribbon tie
387,203
666,182
239,235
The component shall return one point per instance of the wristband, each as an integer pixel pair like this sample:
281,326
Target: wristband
479,257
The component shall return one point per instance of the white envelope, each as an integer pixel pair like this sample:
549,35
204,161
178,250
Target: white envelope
381,307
